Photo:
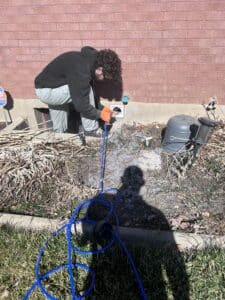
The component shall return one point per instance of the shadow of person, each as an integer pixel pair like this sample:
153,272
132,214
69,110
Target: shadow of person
159,266
109,89
167,259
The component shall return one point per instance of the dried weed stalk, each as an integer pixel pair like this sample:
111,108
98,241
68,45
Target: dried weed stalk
210,156
28,169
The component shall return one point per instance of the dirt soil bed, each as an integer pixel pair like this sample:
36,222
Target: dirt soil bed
50,179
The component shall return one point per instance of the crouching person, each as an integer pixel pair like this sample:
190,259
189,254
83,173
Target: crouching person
70,78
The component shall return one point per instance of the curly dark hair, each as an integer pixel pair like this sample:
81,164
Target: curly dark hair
111,64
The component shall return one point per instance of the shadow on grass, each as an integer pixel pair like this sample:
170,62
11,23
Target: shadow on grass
162,270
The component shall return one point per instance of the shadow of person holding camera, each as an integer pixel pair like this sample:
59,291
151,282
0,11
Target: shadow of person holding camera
167,266
161,267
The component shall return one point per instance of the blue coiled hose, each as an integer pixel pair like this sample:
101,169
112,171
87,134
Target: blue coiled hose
71,248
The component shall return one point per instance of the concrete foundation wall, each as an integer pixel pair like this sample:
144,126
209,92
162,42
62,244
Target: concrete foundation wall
133,112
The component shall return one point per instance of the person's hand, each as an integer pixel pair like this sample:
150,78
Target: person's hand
106,114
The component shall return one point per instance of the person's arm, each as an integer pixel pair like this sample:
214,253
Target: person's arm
98,103
79,86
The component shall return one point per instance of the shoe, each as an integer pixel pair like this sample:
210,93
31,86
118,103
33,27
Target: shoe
97,133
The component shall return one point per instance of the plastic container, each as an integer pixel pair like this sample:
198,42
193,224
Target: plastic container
205,130
125,100
180,130
3,97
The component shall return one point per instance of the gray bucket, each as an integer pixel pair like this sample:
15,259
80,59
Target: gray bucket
179,131
205,130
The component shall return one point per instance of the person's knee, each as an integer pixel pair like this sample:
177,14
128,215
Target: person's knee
59,120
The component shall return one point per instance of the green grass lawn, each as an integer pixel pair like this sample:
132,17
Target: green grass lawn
164,272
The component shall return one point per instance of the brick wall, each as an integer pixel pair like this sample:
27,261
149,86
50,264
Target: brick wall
172,51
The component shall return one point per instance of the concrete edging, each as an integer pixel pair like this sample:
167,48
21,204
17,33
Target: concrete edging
183,241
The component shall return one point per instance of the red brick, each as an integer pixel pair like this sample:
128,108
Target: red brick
172,51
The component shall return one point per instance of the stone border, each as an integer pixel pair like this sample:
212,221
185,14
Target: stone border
184,241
